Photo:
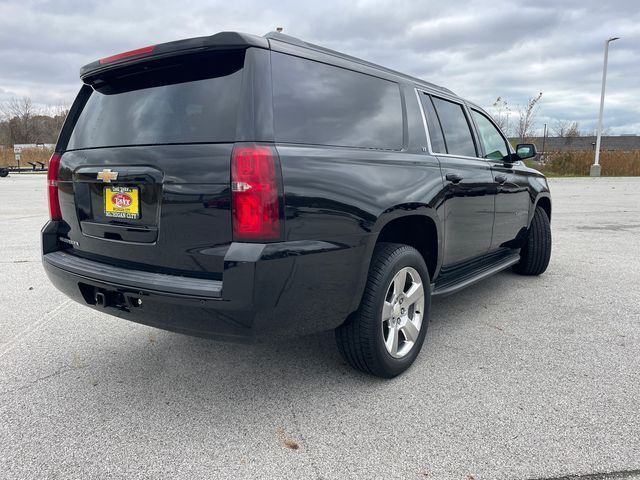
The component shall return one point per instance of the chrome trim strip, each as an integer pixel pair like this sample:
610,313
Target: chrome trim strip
426,129
424,119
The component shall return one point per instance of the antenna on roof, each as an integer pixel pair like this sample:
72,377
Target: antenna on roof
279,29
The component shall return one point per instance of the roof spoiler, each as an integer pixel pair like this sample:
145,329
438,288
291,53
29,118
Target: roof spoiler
219,41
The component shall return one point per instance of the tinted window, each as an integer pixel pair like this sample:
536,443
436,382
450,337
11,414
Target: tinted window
493,143
325,105
194,99
433,124
455,127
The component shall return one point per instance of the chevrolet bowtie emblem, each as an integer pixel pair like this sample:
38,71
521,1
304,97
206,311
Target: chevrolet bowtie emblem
107,175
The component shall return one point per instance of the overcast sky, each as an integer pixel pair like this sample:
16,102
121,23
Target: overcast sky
480,49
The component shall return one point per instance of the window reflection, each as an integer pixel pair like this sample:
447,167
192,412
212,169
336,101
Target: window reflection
455,127
492,141
320,104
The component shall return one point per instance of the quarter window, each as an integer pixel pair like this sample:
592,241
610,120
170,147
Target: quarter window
493,142
457,133
316,103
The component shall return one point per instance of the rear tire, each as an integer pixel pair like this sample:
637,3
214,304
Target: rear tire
385,335
536,253
4,172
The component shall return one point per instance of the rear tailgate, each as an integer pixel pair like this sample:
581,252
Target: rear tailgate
183,203
144,182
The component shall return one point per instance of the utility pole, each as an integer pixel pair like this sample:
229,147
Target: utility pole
544,139
595,168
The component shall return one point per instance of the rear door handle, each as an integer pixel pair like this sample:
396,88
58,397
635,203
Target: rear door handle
453,177
501,179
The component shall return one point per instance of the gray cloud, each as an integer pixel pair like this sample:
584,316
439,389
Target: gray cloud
480,49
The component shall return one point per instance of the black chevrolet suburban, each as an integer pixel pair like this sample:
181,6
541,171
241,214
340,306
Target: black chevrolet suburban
244,187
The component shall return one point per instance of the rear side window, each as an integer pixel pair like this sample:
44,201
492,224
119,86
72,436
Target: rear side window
456,129
320,104
187,100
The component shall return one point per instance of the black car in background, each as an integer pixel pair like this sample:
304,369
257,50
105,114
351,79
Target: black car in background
244,187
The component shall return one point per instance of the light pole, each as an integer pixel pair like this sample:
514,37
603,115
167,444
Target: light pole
595,168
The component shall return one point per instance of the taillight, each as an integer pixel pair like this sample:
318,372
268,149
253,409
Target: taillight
130,53
52,187
254,193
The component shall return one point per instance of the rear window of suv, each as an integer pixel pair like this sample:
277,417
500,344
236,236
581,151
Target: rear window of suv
320,104
186,100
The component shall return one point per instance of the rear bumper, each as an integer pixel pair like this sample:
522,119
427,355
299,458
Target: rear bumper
267,290
134,279
188,313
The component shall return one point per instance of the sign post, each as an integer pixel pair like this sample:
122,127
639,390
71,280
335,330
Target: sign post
17,151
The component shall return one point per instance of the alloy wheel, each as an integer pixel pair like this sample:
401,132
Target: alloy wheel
402,312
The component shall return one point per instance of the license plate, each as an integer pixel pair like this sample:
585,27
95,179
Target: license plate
121,202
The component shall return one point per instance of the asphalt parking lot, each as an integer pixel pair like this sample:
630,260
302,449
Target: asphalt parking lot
519,378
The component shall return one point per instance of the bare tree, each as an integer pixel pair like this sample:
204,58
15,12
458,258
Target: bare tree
567,129
560,128
56,115
17,107
5,134
526,118
22,122
20,113
574,130
501,113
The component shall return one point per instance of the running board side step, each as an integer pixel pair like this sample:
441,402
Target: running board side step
449,286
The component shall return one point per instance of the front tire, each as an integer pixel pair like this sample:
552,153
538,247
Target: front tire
386,334
536,253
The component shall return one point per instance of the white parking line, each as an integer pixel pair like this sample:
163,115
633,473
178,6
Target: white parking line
27,332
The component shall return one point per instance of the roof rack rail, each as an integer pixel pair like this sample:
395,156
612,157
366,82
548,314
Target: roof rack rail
281,37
